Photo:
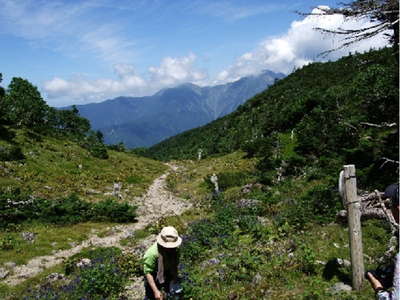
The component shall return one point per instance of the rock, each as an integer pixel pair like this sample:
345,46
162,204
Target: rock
84,262
53,244
340,287
3,273
10,264
28,236
247,188
343,262
257,279
54,277
210,262
336,245
264,221
247,203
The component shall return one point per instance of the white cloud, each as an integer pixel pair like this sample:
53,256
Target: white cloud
66,26
81,90
176,70
301,45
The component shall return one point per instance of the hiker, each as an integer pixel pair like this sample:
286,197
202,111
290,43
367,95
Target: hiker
161,264
392,192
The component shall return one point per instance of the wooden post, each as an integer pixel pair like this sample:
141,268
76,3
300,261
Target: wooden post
354,221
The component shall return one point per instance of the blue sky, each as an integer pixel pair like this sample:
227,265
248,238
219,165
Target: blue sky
90,51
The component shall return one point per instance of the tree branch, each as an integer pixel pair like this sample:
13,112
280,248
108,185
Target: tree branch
385,124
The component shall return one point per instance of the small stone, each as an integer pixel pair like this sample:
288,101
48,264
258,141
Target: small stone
84,262
210,262
28,236
343,262
54,277
3,273
257,279
336,245
340,287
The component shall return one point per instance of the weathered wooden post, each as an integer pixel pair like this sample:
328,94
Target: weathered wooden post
354,220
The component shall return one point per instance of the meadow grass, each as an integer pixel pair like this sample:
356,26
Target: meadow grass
48,238
56,167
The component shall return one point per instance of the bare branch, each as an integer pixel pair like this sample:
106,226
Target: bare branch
384,124
387,160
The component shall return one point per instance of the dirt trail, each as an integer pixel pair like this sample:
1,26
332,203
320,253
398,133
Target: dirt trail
156,203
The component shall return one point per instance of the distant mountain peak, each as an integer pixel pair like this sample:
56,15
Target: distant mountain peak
144,121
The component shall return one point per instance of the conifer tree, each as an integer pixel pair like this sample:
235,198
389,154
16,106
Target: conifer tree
23,104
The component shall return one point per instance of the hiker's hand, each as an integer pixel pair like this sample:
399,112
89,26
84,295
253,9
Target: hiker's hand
158,295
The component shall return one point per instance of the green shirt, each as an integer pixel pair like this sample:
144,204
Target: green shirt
150,259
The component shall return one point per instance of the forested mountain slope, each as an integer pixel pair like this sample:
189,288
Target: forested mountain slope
317,116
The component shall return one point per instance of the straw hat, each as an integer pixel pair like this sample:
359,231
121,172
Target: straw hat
169,238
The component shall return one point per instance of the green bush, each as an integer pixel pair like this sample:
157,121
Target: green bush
112,210
98,151
11,152
17,207
7,242
103,278
229,179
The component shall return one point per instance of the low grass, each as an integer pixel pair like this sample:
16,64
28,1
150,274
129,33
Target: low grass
48,238
188,182
19,291
55,167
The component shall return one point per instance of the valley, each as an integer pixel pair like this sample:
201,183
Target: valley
78,214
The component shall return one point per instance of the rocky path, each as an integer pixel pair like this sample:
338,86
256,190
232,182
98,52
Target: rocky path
156,203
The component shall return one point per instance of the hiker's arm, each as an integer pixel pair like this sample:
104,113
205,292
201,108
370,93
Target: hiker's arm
152,283
375,283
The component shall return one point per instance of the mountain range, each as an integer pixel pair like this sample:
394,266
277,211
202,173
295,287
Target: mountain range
145,121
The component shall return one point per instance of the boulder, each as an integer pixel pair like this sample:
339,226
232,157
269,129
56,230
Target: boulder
340,287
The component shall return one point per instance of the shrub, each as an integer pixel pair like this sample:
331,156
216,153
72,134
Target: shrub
103,278
113,211
17,207
98,151
229,179
11,152
7,242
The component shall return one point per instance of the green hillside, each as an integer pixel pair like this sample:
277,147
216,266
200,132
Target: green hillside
313,117
59,166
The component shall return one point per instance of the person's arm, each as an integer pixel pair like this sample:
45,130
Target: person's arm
152,283
375,283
